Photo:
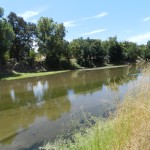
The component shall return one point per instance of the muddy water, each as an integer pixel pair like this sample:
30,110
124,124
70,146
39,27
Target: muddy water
33,110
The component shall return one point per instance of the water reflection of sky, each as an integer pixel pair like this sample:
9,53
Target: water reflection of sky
29,87
12,94
92,101
91,94
39,90
103,98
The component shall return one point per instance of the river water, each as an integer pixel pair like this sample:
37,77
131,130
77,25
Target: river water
33,110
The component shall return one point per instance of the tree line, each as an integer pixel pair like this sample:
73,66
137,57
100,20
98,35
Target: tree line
18,37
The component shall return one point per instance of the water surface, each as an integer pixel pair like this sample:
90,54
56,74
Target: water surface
33,110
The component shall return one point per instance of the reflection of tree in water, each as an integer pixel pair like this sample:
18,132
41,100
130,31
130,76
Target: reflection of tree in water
30,99
32,91
20,118
114,84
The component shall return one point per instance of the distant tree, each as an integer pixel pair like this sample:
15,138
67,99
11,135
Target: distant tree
88,52
51,41
147,50
6,37
80,51
115,51
131,51
98,52
24,37
142,51
1,12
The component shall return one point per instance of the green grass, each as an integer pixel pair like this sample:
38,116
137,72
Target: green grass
17,75
127,129
106,67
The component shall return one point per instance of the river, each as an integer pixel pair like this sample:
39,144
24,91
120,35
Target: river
33,110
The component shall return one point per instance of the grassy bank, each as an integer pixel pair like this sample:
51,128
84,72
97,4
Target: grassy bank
128,129
13,75
17,75
105,67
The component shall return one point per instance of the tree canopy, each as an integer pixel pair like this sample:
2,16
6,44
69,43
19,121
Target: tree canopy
18,37
6,37
24,37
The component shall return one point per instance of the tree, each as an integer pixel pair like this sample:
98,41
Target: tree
115,51
51,41
1,12
6,37
98,52
79,50
88,52
24,37
131,51
147,50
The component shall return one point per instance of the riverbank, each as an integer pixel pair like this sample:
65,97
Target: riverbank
128,128
16,75
13,75
105,67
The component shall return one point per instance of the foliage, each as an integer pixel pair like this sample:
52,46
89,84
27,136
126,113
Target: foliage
98,52
115,51
31,58
130,51
6,36
50,41
88,52
24,37
18,39
1,12
147,50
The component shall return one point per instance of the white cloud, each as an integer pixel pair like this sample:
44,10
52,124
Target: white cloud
141,38
93,32
28,14
147,19
70,23
103,14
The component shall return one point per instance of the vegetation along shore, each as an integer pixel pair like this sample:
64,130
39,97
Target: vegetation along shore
29,47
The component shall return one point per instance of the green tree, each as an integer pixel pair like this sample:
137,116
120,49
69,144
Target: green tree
51,41
115,51
6,37
98,52
131,51
79,50
88,52
1,12
24,37
147,51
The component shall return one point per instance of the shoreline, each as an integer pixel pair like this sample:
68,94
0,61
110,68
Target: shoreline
105,67
18,75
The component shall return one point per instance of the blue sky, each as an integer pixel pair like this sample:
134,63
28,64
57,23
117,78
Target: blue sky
100,19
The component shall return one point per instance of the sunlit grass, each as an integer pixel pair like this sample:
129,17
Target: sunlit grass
17,75
128,129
